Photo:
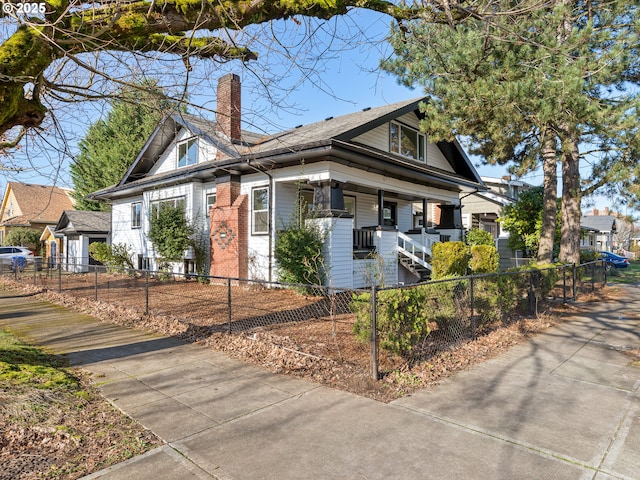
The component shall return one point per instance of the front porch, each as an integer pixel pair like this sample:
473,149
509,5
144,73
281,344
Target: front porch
396,250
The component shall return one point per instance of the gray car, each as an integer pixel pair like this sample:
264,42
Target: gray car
8,253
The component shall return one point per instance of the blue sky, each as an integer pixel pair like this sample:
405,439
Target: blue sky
344,77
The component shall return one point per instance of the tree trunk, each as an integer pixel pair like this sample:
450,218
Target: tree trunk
549,199
571,196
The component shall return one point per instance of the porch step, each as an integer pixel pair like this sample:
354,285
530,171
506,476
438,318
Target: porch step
420,271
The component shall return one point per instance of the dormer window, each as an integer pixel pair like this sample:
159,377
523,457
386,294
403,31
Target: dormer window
188,153
407,141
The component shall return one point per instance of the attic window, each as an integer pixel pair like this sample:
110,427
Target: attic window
407,141
187,153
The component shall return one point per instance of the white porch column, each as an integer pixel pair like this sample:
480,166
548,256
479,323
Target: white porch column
386,242
337,249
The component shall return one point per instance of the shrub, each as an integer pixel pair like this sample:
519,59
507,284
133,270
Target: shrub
484,259
497,297
170,232
114,257
445,304
589,256
24,237
298,254
476,236
402,318
449,259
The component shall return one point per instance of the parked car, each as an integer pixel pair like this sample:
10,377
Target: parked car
614,260
7,254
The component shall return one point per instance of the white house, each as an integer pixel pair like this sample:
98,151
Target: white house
79,229
362,172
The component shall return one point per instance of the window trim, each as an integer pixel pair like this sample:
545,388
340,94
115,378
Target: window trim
254,211
421,145
136,215
188,142
206,202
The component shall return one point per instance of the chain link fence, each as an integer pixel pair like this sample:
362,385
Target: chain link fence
368,330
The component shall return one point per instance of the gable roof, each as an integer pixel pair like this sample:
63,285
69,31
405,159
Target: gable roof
76,221
331,139
35,203
601,223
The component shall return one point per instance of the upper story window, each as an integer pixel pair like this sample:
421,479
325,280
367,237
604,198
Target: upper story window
407,141
136,215
188,153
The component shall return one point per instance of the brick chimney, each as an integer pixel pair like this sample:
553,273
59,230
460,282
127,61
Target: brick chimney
228,116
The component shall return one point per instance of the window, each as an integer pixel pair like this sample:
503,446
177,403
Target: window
407,141
389,214
174,202
136,215
210,202
260,210
188,153
350,207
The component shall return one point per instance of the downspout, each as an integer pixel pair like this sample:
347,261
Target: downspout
272,211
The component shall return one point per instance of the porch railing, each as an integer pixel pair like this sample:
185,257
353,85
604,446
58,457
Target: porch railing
416,252
363,243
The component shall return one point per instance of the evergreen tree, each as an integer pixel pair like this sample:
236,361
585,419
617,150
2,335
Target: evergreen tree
533,83
110,146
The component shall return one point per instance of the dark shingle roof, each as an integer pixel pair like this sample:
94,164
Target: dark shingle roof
76,221
601,223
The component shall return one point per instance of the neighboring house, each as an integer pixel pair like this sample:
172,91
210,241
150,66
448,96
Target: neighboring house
79,229
612,231
32,206
483,209
603,227
53,245
362,173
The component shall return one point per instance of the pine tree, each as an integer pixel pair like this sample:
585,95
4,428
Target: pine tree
110,146
532,83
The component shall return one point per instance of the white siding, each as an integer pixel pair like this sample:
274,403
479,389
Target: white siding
379,138
258,245
436,159
168,161
337,251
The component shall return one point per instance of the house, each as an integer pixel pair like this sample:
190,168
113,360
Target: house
79,229
611,231
32,206
53,246
361,172
484,208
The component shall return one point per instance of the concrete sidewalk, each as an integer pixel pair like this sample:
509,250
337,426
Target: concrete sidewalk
566,405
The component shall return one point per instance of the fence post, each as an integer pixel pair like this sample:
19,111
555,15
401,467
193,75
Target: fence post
35,273
59,277
473,317
95,276
575,278
532,295
593,276
564,284
373,347
229,305
146,293
604,270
